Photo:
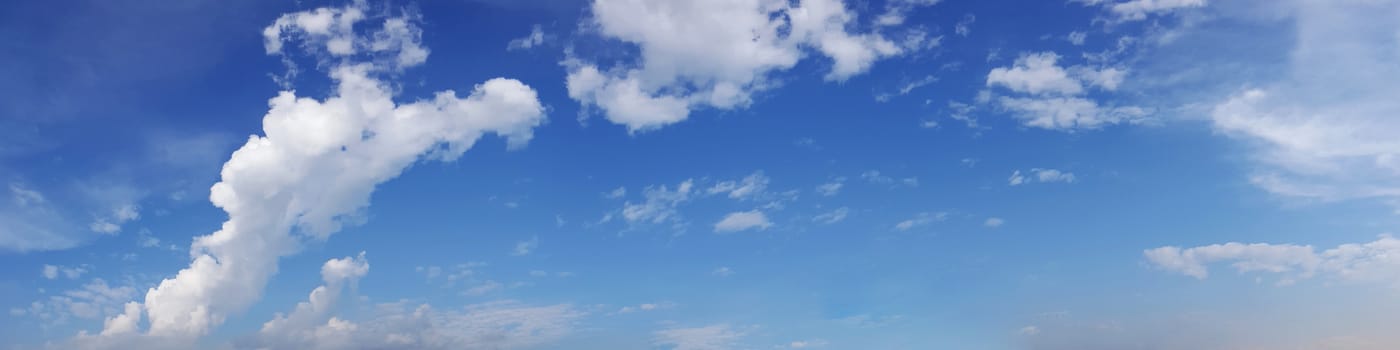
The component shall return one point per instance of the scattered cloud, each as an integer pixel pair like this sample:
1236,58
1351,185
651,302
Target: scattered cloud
831,188
964,26
875,177
750,187
523,248
714,337
1076,38
722,271
659,205
743,221
1029,331
620,192
55,271
646,307
993,222
1137,10
1040,175
1377,261
536,38
806,344
920,219
1051,97
833,216
91,301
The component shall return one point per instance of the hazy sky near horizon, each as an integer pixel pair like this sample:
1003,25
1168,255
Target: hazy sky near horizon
700,175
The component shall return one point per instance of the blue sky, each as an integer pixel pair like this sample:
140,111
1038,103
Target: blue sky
742,174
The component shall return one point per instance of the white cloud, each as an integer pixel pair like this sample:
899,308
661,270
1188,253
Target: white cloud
1068,113
1053,94
535,38
751,186
645,307
993,222
1035,73
1377,261
1076,38
964,26
875,177
1029,331
1136,10
831,188
1040,175
742,221
620,192
1324,128
54,271
483,288
495,325
660,204
920,219
93,300
833,216
897,10
714,337
526,247
112,222
806,344
723,271
323,158
311,323
906,88
715,54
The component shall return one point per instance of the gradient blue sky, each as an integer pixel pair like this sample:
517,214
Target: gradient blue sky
670,174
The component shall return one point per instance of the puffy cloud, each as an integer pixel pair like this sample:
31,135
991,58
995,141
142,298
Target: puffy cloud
1035,73
1376,261
319,161
1040,175
535,38
920,219
742,221
1052,95
833,216
1325,127
310,324
714,337
714,54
